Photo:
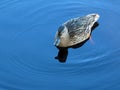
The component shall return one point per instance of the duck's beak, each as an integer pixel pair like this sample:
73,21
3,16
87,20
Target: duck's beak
57,41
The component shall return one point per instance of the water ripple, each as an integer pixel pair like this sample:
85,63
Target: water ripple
27,61
95,58
6,3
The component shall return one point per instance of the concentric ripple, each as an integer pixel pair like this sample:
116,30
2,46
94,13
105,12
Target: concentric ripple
27,52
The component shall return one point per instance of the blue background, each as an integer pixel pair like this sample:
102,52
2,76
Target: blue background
27,30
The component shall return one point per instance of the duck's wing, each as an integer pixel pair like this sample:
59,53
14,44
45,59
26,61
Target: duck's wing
78,26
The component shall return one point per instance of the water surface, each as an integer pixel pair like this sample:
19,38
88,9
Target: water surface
27,29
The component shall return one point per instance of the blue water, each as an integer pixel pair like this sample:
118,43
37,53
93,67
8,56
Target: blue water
27,29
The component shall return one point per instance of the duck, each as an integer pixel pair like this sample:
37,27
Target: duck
75,30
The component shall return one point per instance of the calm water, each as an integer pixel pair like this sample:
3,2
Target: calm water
27,29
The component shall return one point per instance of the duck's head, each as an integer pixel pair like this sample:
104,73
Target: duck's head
62,36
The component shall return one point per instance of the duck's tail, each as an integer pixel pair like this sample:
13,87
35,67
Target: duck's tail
94,16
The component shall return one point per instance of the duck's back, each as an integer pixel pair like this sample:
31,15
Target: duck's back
79,29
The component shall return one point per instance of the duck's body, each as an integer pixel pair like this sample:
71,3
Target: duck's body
75,31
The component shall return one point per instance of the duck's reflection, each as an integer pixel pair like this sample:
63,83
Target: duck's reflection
63,52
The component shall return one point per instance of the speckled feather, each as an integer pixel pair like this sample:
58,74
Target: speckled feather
78,26
75,30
